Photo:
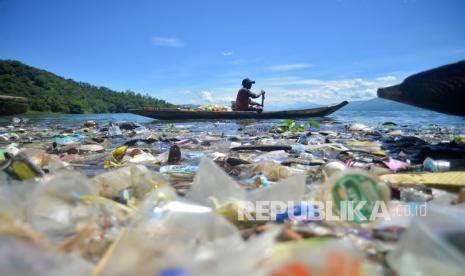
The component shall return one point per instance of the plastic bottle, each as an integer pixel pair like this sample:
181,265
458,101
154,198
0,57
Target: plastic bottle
179,172
174,155
415,195
303,139
301,211
356,187
173,271
114,130
21,168
16,121
119,153
306,156
431,165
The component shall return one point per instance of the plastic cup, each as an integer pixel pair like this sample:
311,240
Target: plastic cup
436,165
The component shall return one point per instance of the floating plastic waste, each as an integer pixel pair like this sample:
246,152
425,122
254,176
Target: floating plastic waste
179,171
230,198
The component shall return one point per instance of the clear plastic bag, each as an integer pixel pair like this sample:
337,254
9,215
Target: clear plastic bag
59,209
139,178
212,182
432,244
213,187
20,257
166,225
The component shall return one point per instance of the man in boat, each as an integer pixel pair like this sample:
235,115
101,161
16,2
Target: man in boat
243,99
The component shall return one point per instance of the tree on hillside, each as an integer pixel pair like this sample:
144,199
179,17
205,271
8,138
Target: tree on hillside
48,92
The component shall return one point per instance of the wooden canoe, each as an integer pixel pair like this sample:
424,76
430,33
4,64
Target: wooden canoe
12,105
441,89
177,114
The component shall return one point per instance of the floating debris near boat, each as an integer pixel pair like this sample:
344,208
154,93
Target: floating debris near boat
159,192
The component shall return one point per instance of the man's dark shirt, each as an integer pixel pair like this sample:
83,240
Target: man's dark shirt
242,100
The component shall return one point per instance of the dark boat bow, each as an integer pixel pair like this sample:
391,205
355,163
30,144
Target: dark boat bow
440,89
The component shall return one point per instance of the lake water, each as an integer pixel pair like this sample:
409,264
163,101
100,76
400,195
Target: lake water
407,119
438,127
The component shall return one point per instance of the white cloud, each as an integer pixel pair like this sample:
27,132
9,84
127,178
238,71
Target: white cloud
288,67
291,81
386,79
206,96
184,92
293,90
227,54
167,42
222,96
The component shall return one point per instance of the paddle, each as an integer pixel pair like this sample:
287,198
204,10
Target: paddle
263,99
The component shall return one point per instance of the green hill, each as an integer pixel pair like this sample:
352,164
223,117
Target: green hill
48,92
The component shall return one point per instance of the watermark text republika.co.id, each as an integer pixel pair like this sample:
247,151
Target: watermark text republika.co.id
352,211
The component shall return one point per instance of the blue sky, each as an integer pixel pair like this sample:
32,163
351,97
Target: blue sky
199,51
